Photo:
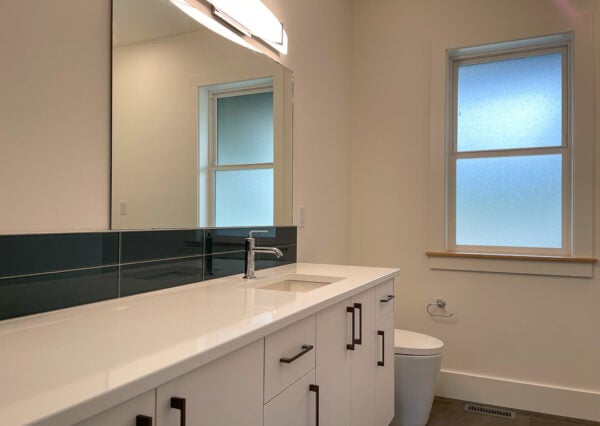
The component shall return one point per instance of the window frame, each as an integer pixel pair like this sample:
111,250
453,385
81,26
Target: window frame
213,167
581,264
487,54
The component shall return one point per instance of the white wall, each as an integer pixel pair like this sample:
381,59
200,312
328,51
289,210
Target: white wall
319,54
529,342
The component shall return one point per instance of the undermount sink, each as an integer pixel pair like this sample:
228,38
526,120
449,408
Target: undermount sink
296,282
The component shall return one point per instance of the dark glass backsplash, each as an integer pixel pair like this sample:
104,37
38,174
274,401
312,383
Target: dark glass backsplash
43,272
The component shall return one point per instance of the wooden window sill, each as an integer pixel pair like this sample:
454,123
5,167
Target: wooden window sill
513,264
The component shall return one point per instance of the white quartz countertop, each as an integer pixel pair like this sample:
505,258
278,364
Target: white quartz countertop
63,366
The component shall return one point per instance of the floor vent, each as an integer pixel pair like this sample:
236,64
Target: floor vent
498,412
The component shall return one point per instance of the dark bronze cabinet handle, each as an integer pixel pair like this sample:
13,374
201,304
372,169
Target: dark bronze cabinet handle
350,346
387,299
179,404
141,420
315,389
382,362
305,349
359,307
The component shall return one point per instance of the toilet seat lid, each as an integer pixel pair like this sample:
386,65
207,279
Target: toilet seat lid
412,343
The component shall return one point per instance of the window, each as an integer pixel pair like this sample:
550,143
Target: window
509,174
241,157
512,150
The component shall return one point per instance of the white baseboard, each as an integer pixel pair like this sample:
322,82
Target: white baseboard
542,398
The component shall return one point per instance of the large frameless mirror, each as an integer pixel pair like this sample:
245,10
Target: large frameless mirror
201,127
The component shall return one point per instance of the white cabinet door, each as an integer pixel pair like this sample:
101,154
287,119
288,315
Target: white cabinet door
363,361
295,406
346,370
137,411
384,377
333,364
225,392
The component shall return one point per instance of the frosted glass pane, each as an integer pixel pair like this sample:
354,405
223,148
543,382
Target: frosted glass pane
509,201
515,103
244,197
245,129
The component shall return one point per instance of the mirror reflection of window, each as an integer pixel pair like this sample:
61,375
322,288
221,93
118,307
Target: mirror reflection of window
165,66
241,157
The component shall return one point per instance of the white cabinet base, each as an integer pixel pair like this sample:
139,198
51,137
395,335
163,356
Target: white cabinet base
355,390
332,357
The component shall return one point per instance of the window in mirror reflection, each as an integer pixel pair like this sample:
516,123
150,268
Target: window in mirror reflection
241,156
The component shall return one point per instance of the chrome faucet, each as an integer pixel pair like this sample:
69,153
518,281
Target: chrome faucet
251,249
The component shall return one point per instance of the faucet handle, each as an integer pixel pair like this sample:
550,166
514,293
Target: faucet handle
257,231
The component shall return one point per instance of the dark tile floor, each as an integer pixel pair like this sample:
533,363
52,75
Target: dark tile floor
449,412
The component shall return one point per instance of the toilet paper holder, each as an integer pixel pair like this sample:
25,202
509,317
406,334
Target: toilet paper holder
440,303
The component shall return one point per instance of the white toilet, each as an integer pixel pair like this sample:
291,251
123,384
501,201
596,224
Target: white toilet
417,359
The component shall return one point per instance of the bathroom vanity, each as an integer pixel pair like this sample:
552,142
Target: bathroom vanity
301,344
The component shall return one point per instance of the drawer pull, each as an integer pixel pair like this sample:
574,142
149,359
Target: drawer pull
305,349
179,404
315,389
359,307
141,420
382,334
387,299
350,346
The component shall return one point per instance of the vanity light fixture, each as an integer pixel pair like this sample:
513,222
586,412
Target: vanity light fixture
202,14
253,19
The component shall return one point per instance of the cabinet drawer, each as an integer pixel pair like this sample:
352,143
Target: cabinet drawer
384,301
295,406
289,355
